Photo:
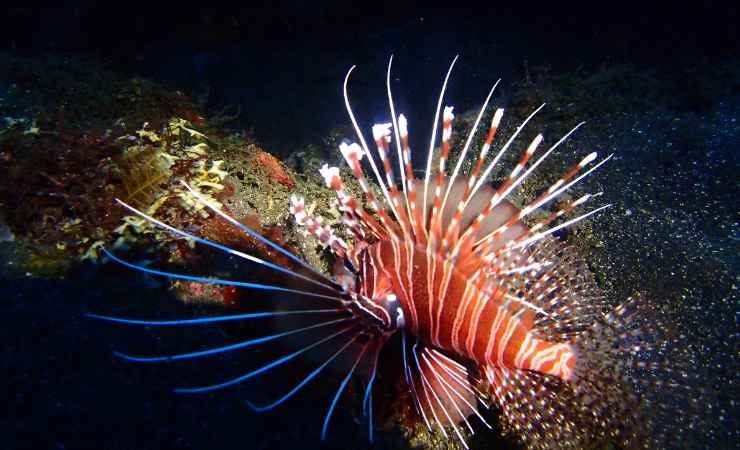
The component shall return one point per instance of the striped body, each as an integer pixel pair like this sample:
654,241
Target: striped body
468,319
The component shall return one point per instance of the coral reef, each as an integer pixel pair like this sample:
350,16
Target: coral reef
112,137
62,169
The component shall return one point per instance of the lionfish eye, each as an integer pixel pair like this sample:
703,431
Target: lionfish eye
385,312
395,312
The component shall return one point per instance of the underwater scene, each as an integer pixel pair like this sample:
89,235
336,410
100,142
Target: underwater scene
338,225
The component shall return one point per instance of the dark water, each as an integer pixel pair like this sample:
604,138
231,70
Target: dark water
673,232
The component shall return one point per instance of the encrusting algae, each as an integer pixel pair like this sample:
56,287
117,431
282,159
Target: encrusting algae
139,156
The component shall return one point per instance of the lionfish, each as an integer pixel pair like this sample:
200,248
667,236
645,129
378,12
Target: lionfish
489,310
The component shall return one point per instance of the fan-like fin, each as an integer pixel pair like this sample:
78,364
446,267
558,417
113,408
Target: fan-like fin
442,391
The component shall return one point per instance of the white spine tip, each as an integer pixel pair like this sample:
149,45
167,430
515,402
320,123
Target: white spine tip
497,117
588,159
403,125
582,200
296,200
382,130
537,141
329,173
447,114
349,150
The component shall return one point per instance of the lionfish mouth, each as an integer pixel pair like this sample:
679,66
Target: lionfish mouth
447,261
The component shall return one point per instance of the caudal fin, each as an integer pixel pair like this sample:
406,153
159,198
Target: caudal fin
631,389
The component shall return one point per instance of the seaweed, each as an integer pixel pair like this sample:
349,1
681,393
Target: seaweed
143,171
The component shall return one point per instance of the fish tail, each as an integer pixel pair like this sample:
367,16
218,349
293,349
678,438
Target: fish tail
631,381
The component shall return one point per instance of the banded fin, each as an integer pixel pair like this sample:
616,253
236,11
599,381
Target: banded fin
442,391
559,288
355,217
332,335
315,227
541,411
545,412
629,389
